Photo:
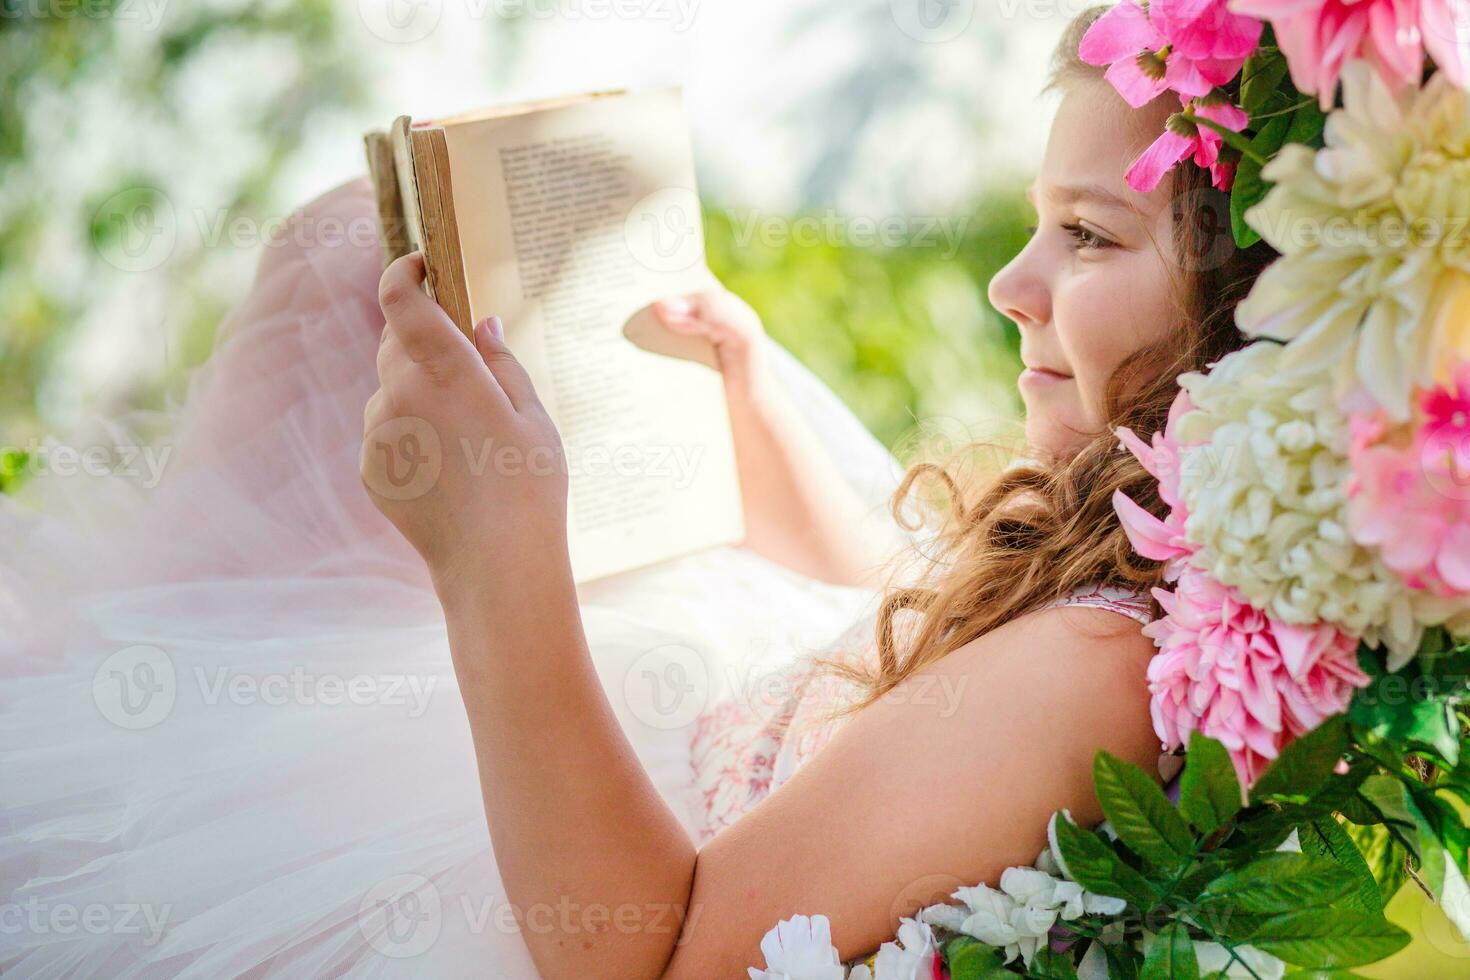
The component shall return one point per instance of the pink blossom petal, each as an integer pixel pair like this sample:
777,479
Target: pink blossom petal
1446,28
1453,563
1150,537
1167,152
1136,86
1124,32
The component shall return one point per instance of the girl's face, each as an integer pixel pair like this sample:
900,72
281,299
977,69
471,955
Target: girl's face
1098,280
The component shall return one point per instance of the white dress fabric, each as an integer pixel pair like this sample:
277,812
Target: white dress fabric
231,741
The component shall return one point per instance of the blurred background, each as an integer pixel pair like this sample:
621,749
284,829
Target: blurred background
861,161
861,164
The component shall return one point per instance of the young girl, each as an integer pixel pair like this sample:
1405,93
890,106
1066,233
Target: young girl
923,751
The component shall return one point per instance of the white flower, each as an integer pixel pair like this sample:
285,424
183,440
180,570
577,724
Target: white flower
1263,475
800,948
1213,958
911,958
1372,231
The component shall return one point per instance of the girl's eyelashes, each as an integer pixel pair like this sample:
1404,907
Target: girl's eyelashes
1085,238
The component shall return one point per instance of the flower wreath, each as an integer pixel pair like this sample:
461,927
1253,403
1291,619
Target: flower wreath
1311,658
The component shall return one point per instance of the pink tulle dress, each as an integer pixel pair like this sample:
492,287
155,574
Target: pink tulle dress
231,740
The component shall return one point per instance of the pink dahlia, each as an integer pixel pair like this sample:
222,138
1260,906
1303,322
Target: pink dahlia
1188,46
1253,683
1409,494
1159,540
1319,36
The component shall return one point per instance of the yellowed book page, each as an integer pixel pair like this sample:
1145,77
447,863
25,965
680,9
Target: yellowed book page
571,219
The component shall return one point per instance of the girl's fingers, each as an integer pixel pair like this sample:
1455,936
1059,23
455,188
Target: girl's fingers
419,323
507,371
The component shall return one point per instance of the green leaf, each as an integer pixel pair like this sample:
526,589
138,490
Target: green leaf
970,959
1250,187
1304,765
1209,793
1385,859
1048,964
1326,838
1385,795
1172,956
1095,866
1307,125
1124,961
1260,78
1401,709
1140,813
1329,937
1279,883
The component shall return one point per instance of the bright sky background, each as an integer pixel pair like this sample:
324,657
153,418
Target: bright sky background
920,102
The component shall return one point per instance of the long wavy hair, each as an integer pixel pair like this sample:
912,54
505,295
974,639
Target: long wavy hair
1043,528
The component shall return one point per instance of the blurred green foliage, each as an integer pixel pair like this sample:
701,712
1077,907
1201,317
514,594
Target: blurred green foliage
901,333
112,105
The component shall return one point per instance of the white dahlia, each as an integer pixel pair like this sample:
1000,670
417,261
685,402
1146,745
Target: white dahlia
1263,476
1373,233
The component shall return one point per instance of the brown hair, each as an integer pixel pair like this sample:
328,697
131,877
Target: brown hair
1041,530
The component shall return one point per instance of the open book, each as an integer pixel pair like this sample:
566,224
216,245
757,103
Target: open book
565,218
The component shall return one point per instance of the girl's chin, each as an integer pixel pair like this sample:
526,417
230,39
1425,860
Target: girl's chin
1052,433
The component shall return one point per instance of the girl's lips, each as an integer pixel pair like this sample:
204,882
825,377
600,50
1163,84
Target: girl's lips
1042,376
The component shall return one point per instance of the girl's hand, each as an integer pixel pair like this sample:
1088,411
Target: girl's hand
728,323
458,451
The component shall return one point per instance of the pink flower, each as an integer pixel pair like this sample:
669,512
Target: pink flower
1185,139
1409,494
1229,671
1159,540
1319,36
1188,46
1447,417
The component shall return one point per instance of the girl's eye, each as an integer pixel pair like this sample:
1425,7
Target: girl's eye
1086,238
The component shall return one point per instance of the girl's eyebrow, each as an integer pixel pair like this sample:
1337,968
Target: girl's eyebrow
1066,194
